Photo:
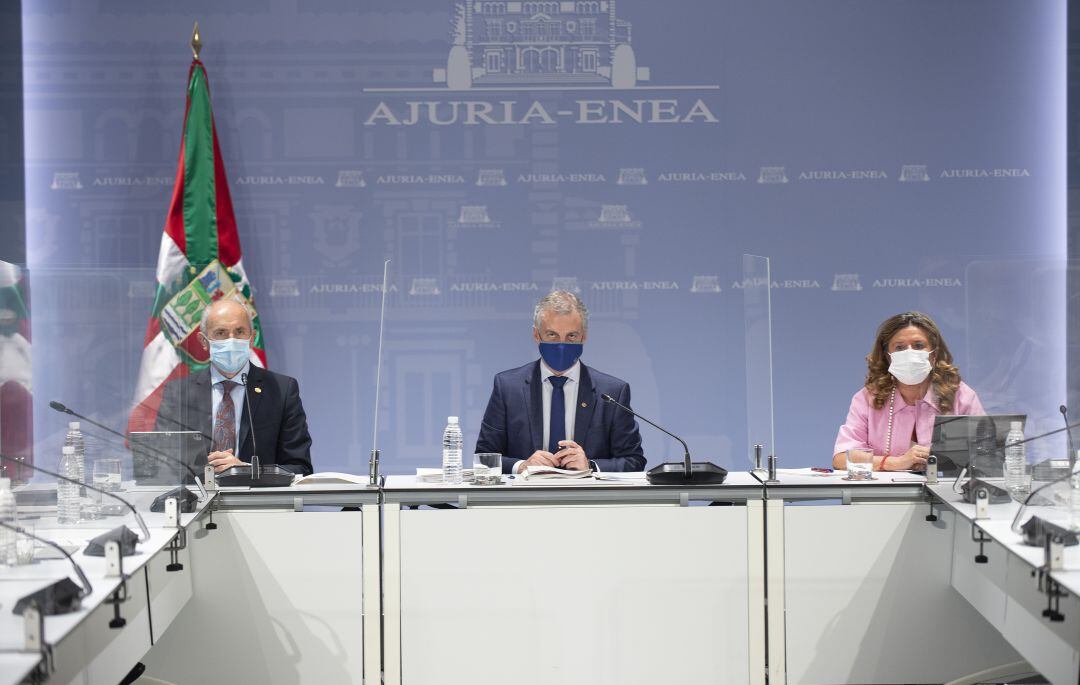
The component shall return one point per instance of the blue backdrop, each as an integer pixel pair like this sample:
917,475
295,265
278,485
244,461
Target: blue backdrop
885,156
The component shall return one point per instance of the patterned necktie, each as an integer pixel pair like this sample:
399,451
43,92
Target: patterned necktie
557,430
225,421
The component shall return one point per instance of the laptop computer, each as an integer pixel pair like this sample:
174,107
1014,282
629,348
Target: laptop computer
157,456
977,440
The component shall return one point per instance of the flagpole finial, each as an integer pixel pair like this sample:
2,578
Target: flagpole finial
196,41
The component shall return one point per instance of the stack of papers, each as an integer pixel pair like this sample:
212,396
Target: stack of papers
435,475
332,478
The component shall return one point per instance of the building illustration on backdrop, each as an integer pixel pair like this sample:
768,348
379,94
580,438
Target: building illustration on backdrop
508,43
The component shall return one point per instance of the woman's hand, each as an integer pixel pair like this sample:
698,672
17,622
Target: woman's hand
912,460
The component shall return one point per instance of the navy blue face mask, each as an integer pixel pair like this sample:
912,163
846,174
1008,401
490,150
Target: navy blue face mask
560,356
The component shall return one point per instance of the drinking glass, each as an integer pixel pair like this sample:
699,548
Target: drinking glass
487,468
860,465
107,474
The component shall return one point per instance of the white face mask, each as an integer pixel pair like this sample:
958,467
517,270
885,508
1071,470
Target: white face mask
910,367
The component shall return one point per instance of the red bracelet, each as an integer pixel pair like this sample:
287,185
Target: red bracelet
881,466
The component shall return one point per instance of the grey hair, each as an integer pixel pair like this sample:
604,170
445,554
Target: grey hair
561,302
206,312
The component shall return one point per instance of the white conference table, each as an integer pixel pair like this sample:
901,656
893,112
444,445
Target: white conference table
85,649
286,590
859,585
590,583
572,583
1005,587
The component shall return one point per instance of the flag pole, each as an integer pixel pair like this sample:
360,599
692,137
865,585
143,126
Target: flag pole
196,42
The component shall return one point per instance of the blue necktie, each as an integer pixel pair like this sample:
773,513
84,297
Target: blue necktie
557,430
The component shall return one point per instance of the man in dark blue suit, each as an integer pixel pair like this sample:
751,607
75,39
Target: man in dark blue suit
213,401
550,412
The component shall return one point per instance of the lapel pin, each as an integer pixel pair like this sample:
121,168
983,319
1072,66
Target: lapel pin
584,404
258,390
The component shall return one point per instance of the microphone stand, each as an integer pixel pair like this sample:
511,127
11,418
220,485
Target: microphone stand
675,473
61,599
144,531
161,459
256,467
254,474
1072,449
1037,528
973,480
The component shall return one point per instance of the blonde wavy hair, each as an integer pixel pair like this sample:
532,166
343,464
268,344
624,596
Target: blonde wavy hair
944,375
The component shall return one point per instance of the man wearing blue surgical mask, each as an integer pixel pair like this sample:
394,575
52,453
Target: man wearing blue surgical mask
549,412
216,400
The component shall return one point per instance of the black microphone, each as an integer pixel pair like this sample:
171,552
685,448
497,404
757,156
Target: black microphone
674,473
60,597
150,452
1072,451
120,534
1036,529
65,410
256,468
257,476
997,494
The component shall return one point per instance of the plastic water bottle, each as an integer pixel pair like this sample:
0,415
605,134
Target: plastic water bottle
75,439
9,515
67,494
451,451
1016,479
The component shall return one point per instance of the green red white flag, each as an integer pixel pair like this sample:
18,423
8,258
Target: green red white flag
199,261
16,398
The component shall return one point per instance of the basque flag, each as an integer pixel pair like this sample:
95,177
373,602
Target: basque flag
199,260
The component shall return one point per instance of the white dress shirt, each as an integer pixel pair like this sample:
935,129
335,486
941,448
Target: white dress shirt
570,393
217,393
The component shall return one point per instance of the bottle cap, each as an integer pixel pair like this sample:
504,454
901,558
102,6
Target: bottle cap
73,425
1016,426
451,419
5,483
68,449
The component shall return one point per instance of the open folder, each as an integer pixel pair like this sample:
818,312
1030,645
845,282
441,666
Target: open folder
551,473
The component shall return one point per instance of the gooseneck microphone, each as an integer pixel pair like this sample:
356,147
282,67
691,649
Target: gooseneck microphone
60,597
1072,450
688,467
256,467
144,531
254,474
1036,529
674,473
998,495
161,459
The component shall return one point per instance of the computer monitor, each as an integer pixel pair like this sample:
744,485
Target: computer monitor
975,441
157,456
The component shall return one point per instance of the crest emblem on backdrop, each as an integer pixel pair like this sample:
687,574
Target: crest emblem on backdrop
181,316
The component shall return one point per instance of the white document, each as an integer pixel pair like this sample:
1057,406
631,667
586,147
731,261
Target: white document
332,478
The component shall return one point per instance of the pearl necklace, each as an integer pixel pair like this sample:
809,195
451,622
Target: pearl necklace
888,437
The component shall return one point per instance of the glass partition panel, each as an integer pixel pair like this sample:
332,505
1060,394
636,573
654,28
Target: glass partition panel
1013,359
757,316
100,365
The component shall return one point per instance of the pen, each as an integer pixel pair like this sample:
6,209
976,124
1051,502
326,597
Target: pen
820,469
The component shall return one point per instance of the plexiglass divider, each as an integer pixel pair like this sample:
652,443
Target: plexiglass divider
1015,360
86,355
757,316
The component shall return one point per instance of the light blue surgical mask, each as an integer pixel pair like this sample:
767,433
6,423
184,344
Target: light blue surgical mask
230,355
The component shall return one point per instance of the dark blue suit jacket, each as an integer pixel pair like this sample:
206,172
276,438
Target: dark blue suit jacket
513,423
276,412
